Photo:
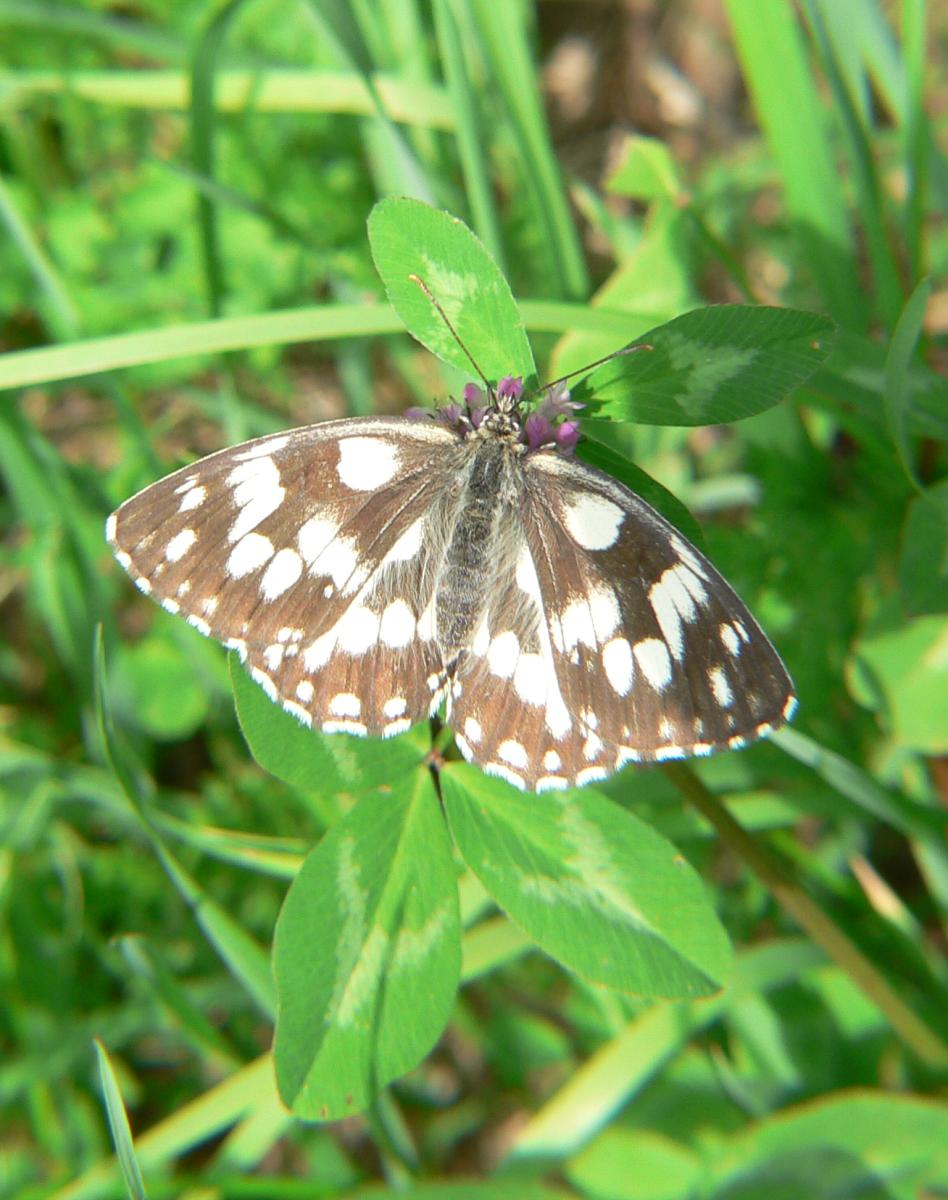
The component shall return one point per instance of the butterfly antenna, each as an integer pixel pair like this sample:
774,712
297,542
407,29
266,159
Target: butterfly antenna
454,333
597,363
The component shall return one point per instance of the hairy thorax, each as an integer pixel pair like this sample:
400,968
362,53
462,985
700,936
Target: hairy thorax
482,540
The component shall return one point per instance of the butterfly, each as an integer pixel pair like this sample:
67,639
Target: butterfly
371,570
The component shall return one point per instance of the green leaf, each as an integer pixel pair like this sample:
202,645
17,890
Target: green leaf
408,239
647,171
664,1170
366,953
858,1144
597,889
904,673
306,758
604,458
923,566
159,688
710,366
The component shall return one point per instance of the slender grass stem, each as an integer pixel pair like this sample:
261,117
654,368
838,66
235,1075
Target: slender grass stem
917,1035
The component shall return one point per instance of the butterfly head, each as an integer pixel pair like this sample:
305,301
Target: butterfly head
498,412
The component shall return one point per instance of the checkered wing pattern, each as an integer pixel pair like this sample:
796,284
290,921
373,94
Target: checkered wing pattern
309,553
613,641
367,569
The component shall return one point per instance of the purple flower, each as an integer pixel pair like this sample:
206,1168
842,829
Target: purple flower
473,394
567,435
537,430
510,387
449,414
415,413
557,404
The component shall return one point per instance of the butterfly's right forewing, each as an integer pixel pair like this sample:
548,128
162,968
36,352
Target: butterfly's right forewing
310,553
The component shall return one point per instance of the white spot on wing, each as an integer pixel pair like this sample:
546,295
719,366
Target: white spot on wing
502,654
358,629
576,625
193,498
493,768
250,553
265,682
530,679
296,711
592,520
367,463
257,492
552,783
273,656
393,728
345,726
305,691
268,445
180,544
693,584
398,624
284,570
472,730
513,752
605,612
481,639
592,747
731,639
720,687
653,658
111,524
408,545
590,775
199,624
397,706
314,536
618,664
318,652
345,704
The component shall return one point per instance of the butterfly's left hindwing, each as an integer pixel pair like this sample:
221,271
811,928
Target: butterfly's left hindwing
307,552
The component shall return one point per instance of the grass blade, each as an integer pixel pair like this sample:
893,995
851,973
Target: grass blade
470,139
788,107
855,124
510,61
118,1123
897,363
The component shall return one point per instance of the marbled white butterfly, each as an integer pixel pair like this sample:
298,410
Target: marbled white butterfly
368,570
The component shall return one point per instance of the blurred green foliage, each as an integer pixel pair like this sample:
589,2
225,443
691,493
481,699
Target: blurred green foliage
808,174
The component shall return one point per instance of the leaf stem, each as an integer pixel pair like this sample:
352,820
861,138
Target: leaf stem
917,1035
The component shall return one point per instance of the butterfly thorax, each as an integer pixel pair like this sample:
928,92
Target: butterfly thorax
501,421
482,537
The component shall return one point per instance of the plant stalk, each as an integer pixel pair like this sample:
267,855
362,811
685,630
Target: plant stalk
917,1035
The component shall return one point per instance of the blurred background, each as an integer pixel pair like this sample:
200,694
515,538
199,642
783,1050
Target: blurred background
183,264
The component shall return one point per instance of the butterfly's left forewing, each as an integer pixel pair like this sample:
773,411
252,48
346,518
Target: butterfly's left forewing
310,553
612,640
655,650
